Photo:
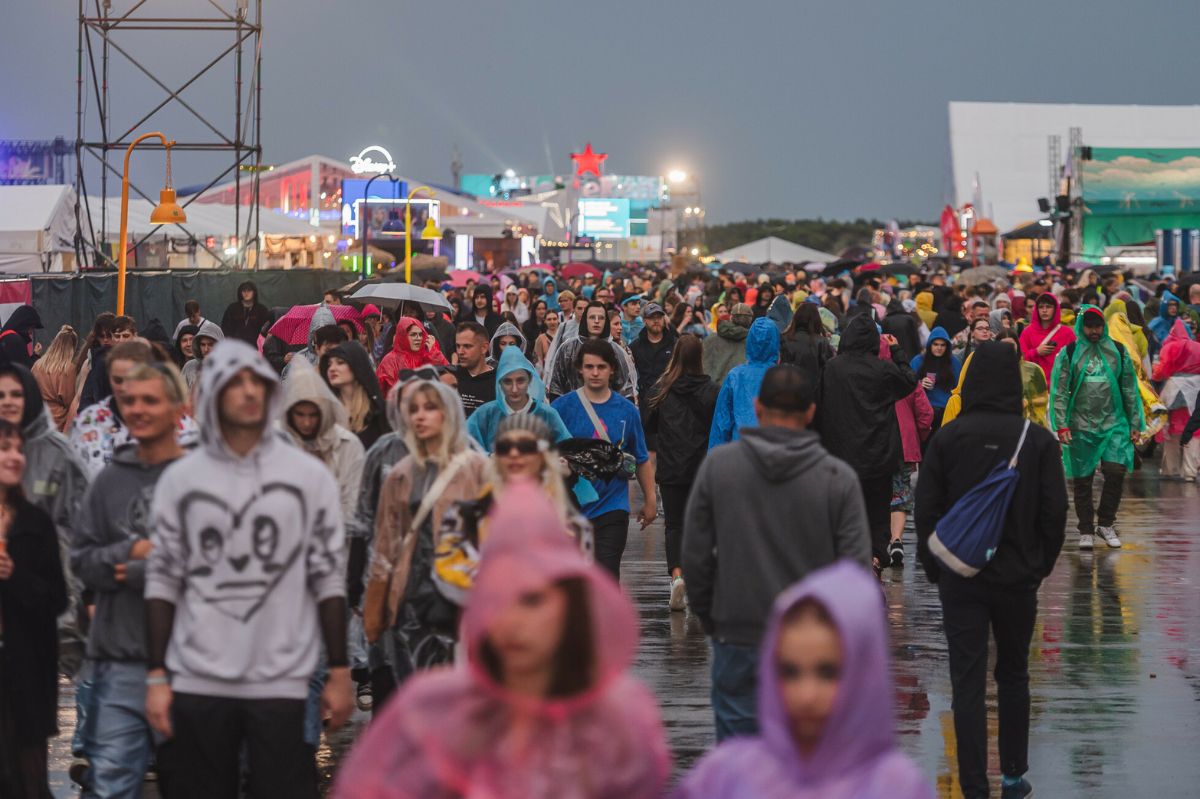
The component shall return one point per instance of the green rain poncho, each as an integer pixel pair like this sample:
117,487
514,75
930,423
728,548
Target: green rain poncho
1094,393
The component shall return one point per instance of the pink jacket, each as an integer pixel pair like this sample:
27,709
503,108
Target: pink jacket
914,414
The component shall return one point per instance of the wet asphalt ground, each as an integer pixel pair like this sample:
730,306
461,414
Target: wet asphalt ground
1114,666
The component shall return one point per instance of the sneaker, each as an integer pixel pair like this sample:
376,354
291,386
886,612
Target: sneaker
363,697
1109,534
678,594
896,554
1085,541
1018,790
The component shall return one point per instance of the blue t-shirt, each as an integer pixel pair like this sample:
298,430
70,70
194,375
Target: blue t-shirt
623,424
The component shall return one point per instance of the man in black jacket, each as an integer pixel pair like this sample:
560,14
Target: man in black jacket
856,416
1003,595
651,352
16,338
245,316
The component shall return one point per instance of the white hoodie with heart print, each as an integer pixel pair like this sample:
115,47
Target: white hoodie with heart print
245,548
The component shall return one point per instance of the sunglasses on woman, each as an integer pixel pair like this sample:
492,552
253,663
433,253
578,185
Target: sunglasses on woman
524,446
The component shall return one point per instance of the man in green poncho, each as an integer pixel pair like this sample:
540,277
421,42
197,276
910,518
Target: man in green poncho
1096,411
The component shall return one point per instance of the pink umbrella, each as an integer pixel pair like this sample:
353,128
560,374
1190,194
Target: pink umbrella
547,268
459,277
578,269
292,327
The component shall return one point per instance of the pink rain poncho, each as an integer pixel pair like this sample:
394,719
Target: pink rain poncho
458,733
1179,365
857,756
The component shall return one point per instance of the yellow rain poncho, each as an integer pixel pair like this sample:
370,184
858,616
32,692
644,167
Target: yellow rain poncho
1134,340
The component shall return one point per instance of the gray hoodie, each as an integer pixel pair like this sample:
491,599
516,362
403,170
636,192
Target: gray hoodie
766,510
191,369
116,513
245,548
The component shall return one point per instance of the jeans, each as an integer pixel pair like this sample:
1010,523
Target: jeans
83,709
119,741
610,532
203,759
734,689
877,496
674,500
969,609
1110,498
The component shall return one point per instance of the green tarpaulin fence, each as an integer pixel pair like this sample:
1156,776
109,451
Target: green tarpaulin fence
76,300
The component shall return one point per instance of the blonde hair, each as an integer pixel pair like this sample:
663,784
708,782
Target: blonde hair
173,384
453,439
60,355
551,481
357,404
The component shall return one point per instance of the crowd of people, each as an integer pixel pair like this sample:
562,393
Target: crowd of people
422,511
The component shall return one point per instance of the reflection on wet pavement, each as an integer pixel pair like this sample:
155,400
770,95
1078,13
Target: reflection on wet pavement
1114,667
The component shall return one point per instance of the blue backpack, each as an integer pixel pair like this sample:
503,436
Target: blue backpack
965,539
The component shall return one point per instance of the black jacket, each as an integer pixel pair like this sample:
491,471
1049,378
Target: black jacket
856,401
16,336
30,601
808,353
682,422
242,322
360,366
903,326
964,452
651,359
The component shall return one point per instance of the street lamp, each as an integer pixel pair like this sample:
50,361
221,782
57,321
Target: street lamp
167,212
429,233
363,227
677,176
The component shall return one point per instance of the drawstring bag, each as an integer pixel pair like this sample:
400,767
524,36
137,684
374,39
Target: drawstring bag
966,538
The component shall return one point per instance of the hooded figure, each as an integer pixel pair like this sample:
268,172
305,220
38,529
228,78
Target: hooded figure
903,325
727,349
403,356
1053,333
780,312
322,317
462,732
560,363
333,444
246,553
944,368
191,369
375,423
177,354
490,319
550,294
1161,325
505,329
857,756
244,320
1094,394
925,309
735,403
16,336
996,320
487,417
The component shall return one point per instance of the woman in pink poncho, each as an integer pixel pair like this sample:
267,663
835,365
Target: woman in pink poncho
1179,365
825,704
1046,335
543,707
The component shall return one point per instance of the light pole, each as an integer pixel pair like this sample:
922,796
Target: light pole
363,227
167,212
429,233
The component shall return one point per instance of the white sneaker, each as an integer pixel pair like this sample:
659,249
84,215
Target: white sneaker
1085,542
1109,535
678,594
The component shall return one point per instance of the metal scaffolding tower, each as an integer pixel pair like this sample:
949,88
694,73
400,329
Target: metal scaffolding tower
1054,165
108,55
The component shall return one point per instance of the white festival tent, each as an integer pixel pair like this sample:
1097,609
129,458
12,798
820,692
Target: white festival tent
37,226
773,249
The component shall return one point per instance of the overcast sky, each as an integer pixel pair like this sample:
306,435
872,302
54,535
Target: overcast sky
788,108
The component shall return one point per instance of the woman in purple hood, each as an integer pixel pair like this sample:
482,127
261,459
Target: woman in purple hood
825,700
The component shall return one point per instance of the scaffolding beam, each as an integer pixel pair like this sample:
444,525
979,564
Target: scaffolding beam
106,57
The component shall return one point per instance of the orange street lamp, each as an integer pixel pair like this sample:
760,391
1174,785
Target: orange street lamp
429,233
167,212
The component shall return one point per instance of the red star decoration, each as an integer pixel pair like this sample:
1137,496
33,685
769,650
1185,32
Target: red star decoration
588,161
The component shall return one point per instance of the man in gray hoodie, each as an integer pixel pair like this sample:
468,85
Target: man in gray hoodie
246,571
111,543
765,510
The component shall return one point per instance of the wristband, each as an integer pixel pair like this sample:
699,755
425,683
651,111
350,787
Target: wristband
152,681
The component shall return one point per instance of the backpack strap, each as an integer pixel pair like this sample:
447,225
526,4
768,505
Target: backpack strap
591,412
1012,463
